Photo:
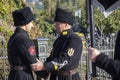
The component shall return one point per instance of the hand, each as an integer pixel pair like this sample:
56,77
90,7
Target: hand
37,66
93,53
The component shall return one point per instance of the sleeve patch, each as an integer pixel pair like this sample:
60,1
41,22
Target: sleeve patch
70,51
32,50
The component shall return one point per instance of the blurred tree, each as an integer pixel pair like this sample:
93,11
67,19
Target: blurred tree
107,25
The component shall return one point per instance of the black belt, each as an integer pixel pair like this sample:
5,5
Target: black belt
19,67
69,73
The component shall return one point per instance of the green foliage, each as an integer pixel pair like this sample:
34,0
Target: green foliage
46,26
50,6
6,8
5,31
4,13
45,18
107,25
6,21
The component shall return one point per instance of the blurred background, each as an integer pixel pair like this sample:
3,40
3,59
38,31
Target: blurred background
43,34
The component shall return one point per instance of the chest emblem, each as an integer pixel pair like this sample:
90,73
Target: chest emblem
70,51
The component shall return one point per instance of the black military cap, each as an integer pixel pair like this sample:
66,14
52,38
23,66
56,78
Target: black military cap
64,16
22,16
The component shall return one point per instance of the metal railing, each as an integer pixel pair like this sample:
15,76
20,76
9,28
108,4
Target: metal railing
101,44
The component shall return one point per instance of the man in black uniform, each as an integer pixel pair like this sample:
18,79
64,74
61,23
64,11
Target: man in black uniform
21,50
117,50
104,62
67,49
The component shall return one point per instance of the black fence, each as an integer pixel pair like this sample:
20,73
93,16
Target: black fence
103,43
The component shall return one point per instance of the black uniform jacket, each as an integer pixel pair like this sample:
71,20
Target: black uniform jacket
66,48
109,65
66,53
21,52
117,50
117,47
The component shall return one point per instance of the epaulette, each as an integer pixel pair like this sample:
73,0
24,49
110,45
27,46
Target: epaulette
64,33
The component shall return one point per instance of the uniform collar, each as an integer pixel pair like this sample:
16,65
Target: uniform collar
67,32
20,30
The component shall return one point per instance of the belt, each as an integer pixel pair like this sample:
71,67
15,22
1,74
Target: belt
69,73
19,68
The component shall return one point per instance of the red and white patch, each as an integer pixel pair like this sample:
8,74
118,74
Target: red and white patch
32,50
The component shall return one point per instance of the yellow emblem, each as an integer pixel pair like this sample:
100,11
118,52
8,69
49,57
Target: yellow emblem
70,51
55,67
64,33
